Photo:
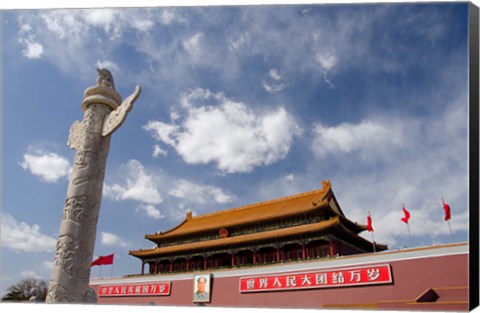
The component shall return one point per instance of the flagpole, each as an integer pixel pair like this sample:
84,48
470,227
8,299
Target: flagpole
101,266
451,232
111,273
373,239
373,242
409,234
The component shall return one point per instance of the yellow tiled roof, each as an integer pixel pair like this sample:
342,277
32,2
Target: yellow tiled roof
262,211
229,241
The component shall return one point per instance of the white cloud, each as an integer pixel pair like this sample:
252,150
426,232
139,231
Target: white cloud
429,161
33,50
84,34
422,201
158,151
192,44
236,43
162,131
25,28
112,240
140,186
20,236
326,60
274,74
273,82
200,194
112,66
103,17
273,88
219,195
151,211
48,166
367,138
143,26
149,189
73,40
177,212
169,15
30,274
76,25
65,24
227,133
174,116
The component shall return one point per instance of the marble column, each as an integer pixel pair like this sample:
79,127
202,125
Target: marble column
103,113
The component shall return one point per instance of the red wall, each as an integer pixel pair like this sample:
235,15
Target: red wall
410,279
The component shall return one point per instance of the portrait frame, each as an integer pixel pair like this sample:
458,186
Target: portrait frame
202,288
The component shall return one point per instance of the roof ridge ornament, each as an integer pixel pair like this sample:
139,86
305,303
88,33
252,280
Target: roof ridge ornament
326,184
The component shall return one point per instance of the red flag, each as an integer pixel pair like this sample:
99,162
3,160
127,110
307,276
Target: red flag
103,260
369,223
406,217
446,207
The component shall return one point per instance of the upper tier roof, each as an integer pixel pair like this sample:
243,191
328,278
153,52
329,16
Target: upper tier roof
257,212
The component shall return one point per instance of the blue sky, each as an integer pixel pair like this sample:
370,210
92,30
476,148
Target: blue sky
239,105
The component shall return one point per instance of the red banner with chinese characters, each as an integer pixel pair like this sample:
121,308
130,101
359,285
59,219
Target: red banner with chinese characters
157,289
355,276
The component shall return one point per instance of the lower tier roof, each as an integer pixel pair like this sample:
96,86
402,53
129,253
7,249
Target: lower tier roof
243,239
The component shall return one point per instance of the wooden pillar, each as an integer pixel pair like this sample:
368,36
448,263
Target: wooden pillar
205,262
143,268
254,256
278,254
233,259
304,255
188,263
171,265
156,266
332,251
